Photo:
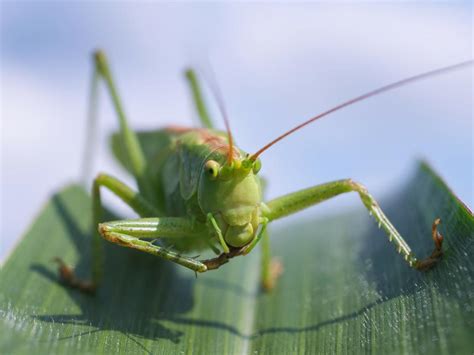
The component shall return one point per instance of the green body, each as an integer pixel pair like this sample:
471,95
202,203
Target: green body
183,189
197,190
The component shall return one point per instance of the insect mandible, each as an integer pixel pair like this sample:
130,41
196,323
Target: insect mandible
202,191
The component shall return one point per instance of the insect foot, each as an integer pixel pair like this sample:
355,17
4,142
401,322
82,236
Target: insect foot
429,262
275,270
69,278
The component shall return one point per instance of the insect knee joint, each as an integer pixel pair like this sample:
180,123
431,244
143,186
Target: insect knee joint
100,177
99,58
105,231
356,186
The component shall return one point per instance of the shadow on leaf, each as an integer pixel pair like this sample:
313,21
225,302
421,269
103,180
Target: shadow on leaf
136,292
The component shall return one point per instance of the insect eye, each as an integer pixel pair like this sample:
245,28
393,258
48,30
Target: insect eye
257,165
212,168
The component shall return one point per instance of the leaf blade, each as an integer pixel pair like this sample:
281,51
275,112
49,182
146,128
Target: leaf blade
336,294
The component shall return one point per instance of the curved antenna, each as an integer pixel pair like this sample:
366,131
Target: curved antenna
220,103
363,97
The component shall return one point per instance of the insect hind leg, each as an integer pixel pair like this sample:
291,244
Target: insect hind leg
133,199
133,151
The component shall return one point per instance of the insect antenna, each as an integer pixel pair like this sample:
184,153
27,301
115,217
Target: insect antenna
220,103
363,97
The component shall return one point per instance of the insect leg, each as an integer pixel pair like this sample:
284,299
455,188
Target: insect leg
212,221
131,145
294,202
133,199
198,100
128,233
271,268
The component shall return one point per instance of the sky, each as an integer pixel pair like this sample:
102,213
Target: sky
277,64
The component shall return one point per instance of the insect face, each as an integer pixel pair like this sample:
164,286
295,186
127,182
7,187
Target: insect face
232,193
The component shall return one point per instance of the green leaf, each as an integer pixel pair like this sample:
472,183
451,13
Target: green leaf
344,288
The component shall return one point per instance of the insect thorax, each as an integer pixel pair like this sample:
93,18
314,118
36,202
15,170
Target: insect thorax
186,191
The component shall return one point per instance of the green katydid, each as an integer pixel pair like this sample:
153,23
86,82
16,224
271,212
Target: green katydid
202,191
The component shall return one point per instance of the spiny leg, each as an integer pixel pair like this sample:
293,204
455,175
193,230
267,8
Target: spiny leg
302,199
133,199
128,233
198,99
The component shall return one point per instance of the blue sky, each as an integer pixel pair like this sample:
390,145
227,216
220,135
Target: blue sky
277,65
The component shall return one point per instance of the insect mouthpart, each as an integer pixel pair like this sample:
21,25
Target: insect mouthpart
241,224
238,236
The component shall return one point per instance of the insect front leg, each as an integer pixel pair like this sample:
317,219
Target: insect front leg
133,199
297,201
130,234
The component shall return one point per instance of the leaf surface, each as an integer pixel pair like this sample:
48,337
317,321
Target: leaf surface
344,288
